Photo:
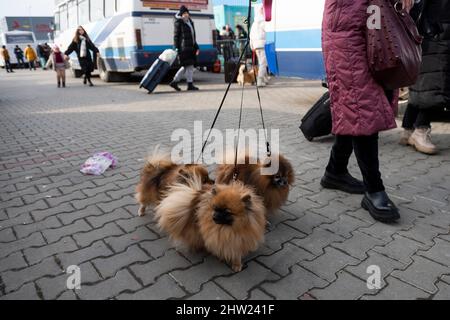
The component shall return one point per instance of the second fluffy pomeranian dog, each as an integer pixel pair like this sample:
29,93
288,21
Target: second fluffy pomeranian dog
159,174
226,220
274,189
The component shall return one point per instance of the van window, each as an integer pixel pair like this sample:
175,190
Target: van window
57,21
73,14
63,20
19,38
97,12
110,8
120,5
83,12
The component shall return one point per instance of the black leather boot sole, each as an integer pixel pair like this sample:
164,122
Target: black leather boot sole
191,87
386,213
175,86
344,182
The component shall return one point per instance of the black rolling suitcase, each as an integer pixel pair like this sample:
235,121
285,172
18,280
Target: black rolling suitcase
317,122
155,75
230,69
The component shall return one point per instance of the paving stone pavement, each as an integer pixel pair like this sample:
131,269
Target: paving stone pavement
319,245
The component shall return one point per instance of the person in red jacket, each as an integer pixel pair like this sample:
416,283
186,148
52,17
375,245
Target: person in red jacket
361,108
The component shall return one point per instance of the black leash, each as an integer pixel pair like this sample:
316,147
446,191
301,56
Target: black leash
235,174
235,73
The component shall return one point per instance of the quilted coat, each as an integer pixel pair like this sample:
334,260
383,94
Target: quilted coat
432,89
360,106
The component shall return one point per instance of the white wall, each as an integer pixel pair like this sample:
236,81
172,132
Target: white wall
296,15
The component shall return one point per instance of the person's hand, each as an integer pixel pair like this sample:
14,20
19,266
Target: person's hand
197,53
407,4
67,58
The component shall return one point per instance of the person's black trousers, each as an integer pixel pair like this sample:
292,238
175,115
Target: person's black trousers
366,152
20,62
416,118
8,66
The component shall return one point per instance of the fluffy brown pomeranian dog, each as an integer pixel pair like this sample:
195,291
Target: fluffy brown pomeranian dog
274,189
159,174
228,221
246,76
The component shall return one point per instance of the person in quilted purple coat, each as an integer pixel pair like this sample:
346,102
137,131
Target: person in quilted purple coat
361,108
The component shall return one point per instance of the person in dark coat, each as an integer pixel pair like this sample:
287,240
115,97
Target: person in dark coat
185,43
432,90
83,46
360,107
19,56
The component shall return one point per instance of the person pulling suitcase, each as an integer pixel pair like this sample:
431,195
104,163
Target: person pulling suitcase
186,44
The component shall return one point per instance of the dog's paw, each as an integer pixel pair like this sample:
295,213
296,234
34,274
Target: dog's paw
141,211
237,267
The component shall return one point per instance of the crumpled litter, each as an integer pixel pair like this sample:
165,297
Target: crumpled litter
99,163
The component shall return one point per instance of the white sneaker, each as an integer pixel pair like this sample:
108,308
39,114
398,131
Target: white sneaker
421,140
404,138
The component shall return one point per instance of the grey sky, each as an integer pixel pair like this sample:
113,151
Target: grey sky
26,8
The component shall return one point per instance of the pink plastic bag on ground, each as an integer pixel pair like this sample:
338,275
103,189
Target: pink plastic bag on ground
99,163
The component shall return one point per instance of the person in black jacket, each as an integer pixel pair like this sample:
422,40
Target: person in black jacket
186,44
432,90
19,56
82,45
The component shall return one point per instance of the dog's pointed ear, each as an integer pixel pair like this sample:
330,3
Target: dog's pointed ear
214,191
247,199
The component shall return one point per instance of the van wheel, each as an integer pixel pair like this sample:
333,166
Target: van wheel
77,73
109,76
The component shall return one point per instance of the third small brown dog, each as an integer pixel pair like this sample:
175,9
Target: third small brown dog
274,189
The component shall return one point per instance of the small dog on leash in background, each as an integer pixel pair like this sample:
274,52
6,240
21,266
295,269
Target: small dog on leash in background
159,174
247,76
227,220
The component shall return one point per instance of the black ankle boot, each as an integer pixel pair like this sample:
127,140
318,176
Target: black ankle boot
191,87
174,84
343,182
64,84
59,84
380,207
85,81
90,83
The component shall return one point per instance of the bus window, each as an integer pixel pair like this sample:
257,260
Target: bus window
97,10
110,8
83,12
73,14
63,19
19,38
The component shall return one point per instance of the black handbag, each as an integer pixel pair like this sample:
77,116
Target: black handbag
318,121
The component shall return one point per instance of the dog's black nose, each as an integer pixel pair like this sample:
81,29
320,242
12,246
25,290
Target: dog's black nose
223,218
281,181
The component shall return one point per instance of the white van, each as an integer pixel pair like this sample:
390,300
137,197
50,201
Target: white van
131,34
11,39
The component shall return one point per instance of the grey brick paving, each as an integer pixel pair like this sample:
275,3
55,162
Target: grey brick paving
319,245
